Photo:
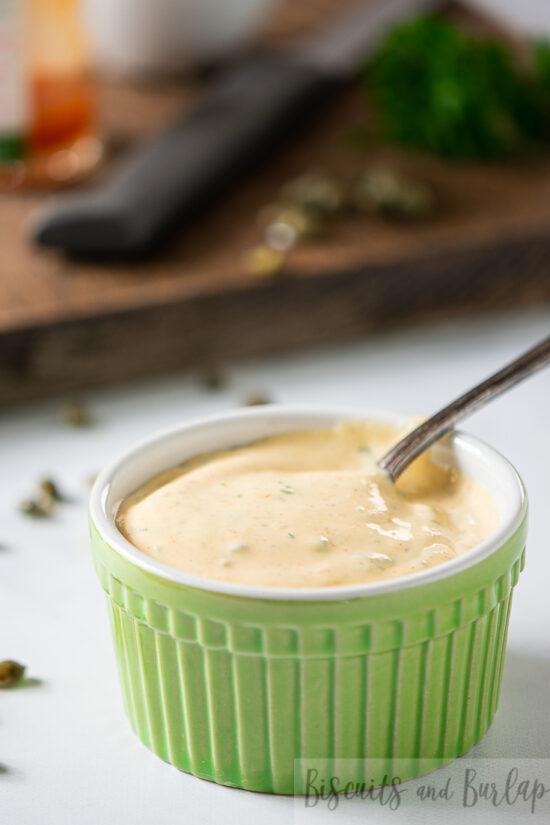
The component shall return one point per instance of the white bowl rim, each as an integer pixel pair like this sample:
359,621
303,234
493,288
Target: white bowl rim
103,519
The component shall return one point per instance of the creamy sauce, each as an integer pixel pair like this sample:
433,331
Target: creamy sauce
307,509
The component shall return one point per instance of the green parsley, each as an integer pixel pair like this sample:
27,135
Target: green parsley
440,90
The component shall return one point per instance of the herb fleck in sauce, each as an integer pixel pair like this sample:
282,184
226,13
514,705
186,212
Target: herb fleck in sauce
307,509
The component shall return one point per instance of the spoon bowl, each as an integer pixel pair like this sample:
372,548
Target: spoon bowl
398,458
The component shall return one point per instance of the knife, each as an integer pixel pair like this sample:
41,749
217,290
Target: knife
246,113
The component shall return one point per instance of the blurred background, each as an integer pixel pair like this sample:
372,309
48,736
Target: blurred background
183,183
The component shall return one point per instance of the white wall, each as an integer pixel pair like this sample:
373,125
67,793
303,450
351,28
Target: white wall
532,15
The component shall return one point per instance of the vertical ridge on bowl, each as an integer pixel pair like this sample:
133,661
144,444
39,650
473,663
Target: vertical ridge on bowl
237,701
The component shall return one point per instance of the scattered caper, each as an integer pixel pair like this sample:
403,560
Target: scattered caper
75,414
263,262
389,194
303,221
10,673
37,508
43,503
49,489
315,191
255,398
308,200
212,377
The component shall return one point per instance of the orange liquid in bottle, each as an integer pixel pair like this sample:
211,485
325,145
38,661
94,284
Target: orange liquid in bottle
60,141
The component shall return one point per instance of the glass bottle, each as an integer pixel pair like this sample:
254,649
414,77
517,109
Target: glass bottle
48,120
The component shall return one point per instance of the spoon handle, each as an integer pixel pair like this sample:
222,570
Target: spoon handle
405,451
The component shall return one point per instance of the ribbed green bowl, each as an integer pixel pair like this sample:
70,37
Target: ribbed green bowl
234,688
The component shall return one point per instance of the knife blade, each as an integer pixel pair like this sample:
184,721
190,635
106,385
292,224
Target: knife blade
252,109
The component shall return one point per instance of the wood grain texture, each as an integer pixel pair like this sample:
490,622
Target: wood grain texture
64,325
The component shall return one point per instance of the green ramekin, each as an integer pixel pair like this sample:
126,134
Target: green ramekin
233,683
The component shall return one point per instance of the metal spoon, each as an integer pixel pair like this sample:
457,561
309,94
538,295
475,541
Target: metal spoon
405,451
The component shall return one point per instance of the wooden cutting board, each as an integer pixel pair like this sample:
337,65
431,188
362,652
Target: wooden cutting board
65,326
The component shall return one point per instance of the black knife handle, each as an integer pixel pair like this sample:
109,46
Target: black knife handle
169,177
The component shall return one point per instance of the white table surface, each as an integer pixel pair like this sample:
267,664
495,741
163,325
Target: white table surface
69,756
